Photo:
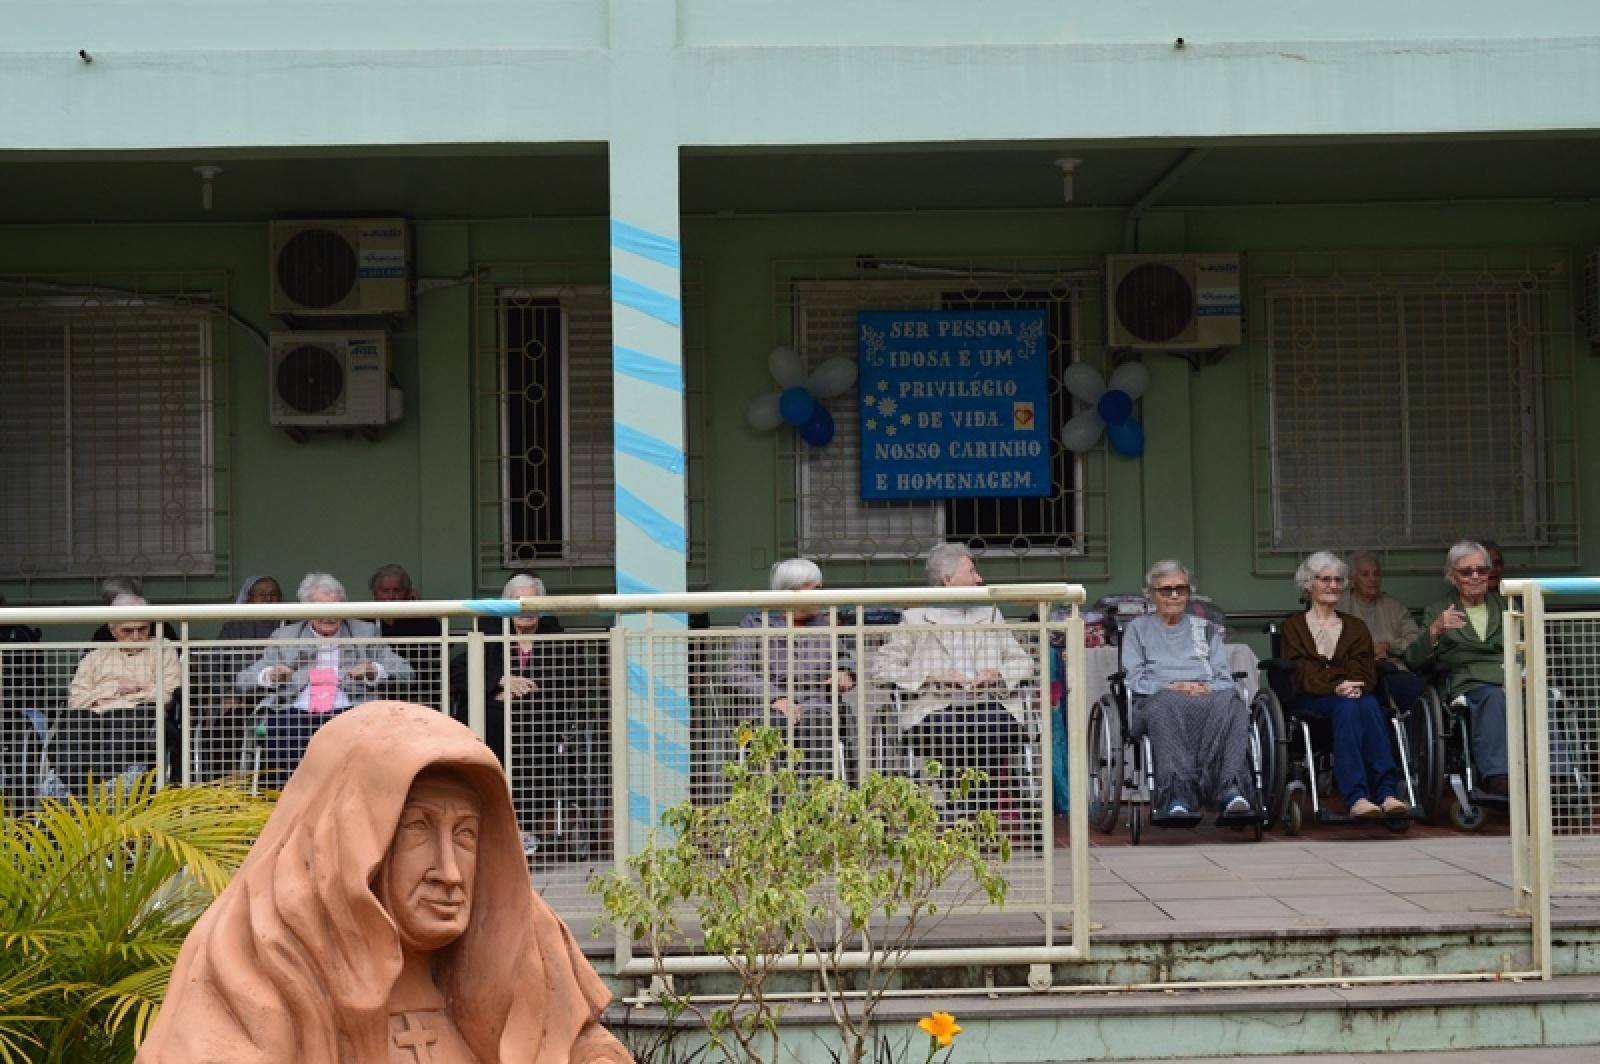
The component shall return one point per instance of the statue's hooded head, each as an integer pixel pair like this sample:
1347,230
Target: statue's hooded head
397,829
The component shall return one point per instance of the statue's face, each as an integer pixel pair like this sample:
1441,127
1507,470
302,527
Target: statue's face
426,881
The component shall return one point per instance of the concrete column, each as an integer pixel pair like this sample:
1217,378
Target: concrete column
647,389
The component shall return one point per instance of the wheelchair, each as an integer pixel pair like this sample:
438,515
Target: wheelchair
1308,755
1456,792
1119,763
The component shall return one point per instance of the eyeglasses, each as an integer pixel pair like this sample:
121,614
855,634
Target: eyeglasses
1329,581
1473,570
1172,590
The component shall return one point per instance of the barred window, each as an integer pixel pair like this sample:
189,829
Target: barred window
835,522
544,473
1406,410
107,438
556,463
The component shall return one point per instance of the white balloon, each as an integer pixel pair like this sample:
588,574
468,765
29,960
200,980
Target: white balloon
833,377
1083,431
763,412
787,367
1130,377
1084,382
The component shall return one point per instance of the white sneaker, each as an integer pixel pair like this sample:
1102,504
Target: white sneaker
1236,807
1177,809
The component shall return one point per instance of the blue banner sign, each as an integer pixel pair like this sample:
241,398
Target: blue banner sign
954,404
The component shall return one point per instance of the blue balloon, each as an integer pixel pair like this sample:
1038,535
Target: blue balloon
818,429
1127,438
796,405
1114,407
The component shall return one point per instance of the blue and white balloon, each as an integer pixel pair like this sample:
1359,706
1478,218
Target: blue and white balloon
1110,408
797,403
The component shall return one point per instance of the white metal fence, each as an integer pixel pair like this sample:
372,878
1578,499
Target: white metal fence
1556,653
599,730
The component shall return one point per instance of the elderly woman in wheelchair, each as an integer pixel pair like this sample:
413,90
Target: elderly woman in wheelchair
1461,645
1329,657
1185,700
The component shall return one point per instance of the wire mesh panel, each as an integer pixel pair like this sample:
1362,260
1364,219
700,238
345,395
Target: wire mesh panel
253,705
854,699
548,694
1572,668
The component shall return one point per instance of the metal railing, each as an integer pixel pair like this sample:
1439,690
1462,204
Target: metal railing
613,725
1556,839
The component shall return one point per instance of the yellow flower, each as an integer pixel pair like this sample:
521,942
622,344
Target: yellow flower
941,1026
744,734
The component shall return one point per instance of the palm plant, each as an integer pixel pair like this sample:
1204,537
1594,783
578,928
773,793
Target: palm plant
96,897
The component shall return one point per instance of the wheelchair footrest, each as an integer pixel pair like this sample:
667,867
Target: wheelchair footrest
1182,820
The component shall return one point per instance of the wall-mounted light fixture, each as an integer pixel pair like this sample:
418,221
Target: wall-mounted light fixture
1068,168
207,173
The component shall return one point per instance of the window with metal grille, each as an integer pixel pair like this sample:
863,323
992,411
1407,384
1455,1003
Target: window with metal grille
556,462
1408,411
835,522
106,438
544,480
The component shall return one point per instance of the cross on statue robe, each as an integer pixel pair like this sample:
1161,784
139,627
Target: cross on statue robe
417,1039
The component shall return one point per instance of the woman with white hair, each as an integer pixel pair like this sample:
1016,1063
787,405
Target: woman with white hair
1335,674
113,703
802,679
1462,638
961,673
313,670
1184,697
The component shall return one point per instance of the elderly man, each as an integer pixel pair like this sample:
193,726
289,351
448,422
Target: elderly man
391,583
313,670
960,673
1389,621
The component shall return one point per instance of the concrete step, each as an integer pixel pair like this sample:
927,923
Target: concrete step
1218,1024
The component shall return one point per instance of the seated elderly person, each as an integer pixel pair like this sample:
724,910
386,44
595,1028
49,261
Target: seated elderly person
313,670
1462,641
113,705
1334,674
1390,624
960,673
1185,699
799,678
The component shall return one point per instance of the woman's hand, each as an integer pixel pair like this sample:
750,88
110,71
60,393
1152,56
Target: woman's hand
1349,689
517,686
787,708
1448,621
952,678
843,681
1189,687
990,678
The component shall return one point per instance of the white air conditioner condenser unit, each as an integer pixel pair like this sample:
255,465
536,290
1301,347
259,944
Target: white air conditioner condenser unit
329,380
1173,302
340,267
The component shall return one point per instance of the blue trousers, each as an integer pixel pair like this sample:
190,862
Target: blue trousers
1486,706
1363,764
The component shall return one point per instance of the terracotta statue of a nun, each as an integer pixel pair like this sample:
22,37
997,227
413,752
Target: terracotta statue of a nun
385,915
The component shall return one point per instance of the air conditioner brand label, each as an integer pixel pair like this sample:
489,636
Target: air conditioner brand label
1217,289
381,262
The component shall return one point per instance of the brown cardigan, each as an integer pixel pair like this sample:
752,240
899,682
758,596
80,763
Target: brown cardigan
1352,656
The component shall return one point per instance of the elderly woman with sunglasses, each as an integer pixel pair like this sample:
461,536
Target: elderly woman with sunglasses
1462,640
1184,698
1335,673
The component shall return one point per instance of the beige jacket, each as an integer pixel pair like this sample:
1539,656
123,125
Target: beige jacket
96,686
911,656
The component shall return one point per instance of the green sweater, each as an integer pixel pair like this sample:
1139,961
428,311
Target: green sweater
1467,659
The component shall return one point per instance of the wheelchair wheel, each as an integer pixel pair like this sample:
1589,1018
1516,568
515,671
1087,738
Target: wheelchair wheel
1104,749
1424,724
1272,740
1466,818
1294,810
